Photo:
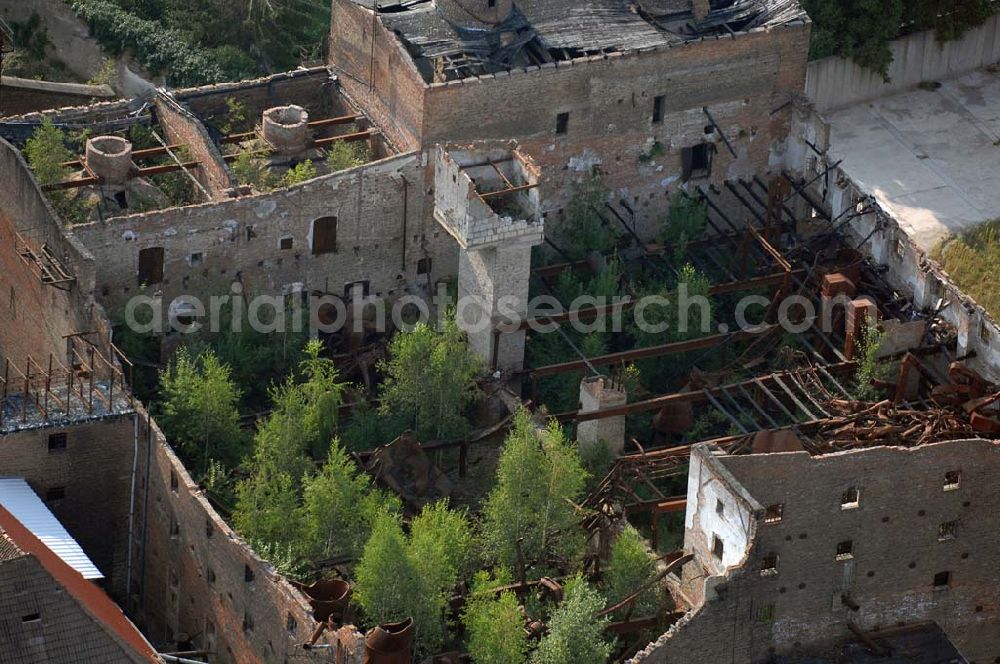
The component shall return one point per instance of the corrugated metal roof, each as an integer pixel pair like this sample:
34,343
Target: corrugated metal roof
24,504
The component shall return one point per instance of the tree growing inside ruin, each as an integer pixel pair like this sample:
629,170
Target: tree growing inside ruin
631,569
46,153
576,634
539,477
339,508
494,622
388,583
587,227
200,414
430,376
286,448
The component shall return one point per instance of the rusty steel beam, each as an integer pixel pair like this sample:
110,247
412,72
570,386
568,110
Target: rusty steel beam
71,184
512,190
166,168
645,353
679,397
315,124
345,138
136,154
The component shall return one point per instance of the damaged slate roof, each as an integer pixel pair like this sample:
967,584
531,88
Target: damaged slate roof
542,31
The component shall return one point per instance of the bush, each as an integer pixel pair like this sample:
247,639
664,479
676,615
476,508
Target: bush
302,171
160,50
631,568
343,155
45,152
494,624
575,634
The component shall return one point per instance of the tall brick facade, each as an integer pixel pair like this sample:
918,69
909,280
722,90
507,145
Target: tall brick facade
905,535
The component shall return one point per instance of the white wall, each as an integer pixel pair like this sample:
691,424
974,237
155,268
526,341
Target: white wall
836,82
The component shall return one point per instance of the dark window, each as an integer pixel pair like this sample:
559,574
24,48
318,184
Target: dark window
658,103
209,530
720,509
251,233
765,613
845,550
424,266
491,3
324,236
197,258
121,200
696,162
769,564
55,493
942,579
57,441
173,481
851,498
947,531
285,243
31,617
774,513
247,574
247,623
292,624
718,549
151,265
952,480
211,576
562,123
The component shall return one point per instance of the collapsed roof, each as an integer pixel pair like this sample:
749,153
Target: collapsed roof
544,31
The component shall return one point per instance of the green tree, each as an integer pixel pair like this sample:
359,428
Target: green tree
200,410
538,479
390,586
631,568
286,446
347,154
685,222
46,152
441,543
949,18
575,633
430,377
339,508
494,623
302,171
584,229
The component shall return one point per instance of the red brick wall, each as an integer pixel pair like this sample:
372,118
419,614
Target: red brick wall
394,97
180,127
34,317
177,599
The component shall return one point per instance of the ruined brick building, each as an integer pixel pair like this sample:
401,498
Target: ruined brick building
479,119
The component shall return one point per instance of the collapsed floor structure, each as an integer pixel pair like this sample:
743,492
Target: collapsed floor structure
476,123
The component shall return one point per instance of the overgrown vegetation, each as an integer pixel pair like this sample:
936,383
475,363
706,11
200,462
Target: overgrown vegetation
192,42
973,261
862,29
430,379
46,152
585,229
575,633
537,484
870,366
347,154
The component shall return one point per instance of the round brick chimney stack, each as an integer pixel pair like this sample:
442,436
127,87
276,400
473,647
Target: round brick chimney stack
477,13
109,158
286,128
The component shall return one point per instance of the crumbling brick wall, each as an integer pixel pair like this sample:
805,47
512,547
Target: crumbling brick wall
610,101
198,580
36,317
182,128
897,550
385,227
392,95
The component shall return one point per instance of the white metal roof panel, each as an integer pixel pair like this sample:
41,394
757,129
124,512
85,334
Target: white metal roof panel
20,500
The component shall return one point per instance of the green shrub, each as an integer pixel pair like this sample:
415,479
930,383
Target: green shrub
575,634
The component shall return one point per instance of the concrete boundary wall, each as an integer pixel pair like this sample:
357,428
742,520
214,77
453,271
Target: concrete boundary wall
836,82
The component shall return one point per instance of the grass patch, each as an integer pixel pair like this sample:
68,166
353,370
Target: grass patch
973,261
